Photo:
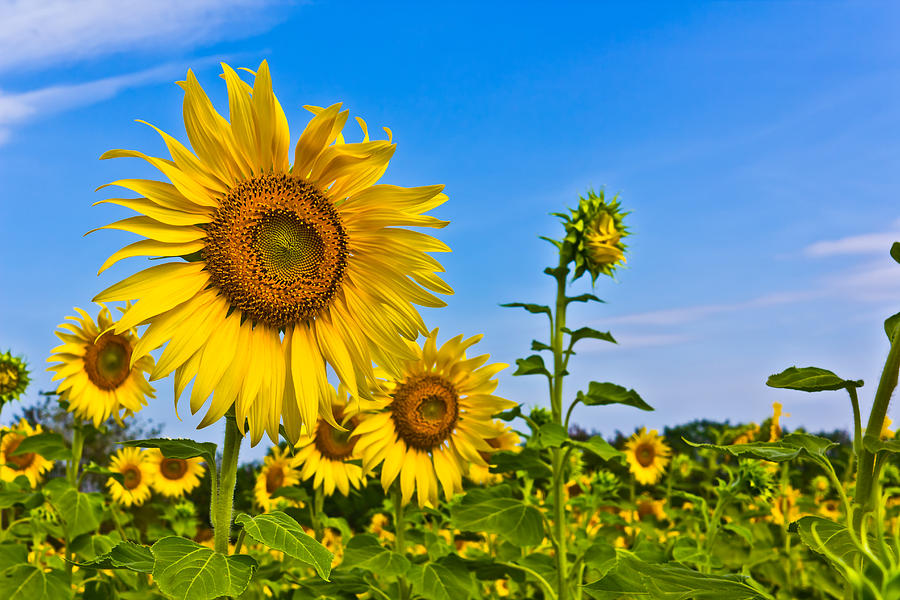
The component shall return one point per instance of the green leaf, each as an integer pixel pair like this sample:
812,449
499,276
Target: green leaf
512,413
586,333
80,511
597,445
533,365
810,379
551,435
444,579
539,346
292,492
773,451
601,556
124,555
875,444
49,445
182,448
822,535
366,552
601,394
535,309
814,445
27,582
12,554
280,532
185,570
895,251
517,522
27,499
890,325
527,459
583,298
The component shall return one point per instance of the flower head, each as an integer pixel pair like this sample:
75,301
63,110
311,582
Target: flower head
14,377
30,464
594,233
647,455
284,268
174,477
137,472
279,470
100,376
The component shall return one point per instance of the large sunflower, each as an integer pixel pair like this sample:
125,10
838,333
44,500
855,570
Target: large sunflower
279,470
324,455
100,375
288,267
137,476
174,477
647,455
433,421
30,464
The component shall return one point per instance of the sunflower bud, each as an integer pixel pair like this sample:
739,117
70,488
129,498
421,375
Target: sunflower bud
594,233
13,377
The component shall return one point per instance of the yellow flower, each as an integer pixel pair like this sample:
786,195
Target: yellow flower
784,506
378,526
830,509
747,436
14,377
432,422
505,439
647,455
174,477
137,473
30,464
279,470
886,433
594,233
325,454
287,267
775,427
101,377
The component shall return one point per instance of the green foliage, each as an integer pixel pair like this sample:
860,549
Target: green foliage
280,532
366,552
493,511
601,394
185,570
810,379
178,448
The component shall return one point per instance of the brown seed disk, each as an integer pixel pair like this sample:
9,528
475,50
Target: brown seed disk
22,461
274,478
425,410
173,468
645,453
335,444
276,249
107,360
131,477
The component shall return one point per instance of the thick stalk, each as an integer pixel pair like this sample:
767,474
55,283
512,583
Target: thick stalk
227,479
399,538
77,449
866,464
318,504
559,510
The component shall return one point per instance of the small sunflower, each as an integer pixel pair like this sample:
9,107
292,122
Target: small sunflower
30,464
647,455
784,506
137,474
13,377
100,375
326,453
594,233
174,477
432,422
505,439
279,470
775,426
287,267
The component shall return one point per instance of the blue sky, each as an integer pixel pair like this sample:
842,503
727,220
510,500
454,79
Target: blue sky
757,144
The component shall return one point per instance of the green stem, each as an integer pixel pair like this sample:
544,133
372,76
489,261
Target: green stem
227,479
866,464
74,465
399,537
543,582
857,421
559,509
318,503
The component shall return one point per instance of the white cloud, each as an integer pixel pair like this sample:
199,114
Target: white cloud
35,34
868,243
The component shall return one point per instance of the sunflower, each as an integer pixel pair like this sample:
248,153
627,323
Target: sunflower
647,455
432,422
30,464
137,473
13,377
594,233
174,477
100,375
325,453
504,439
279,470
287,268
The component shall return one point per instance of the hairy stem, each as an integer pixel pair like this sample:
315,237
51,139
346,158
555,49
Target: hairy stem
227,478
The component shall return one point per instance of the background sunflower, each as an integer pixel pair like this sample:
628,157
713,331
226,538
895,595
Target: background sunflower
279,470
647,455
29,464
137,473
174,477
324,455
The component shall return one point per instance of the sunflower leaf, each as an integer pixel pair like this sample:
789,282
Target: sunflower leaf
49,445
551,435
178,448
185,570
528,460
586,333
124,555
895,251
533,365
280,532
789,448
810,379
601,394
27,582
583,298
512,519
366,552
597,445
890,325
535,309
874,444
539,346
80,511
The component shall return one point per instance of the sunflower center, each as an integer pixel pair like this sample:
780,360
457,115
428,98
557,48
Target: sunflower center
645,454
425,409
173,468
107,361
333,443
21,461
274,479
276,249
131,477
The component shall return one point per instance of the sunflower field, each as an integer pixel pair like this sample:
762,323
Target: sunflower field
282,301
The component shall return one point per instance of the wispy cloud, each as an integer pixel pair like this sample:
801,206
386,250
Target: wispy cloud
16,109
35,34
867,243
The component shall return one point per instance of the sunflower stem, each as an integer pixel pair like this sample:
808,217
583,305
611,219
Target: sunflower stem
75,462
399,539
227,478
557,456
318,505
